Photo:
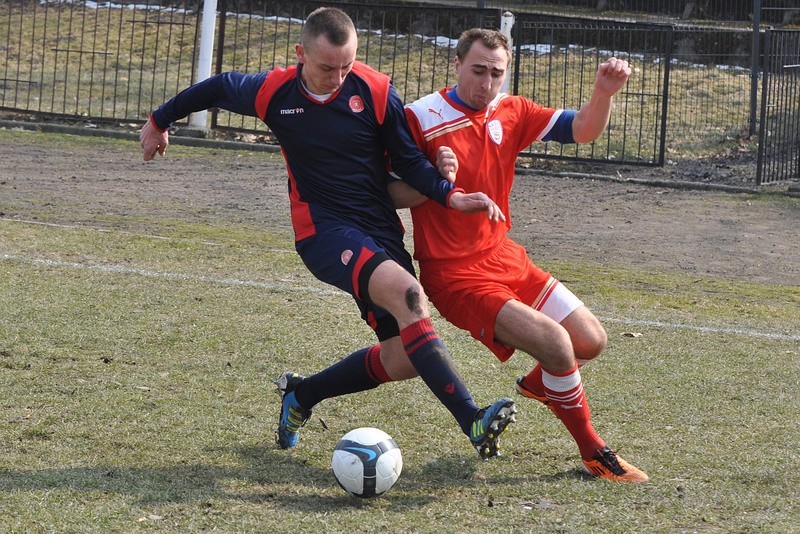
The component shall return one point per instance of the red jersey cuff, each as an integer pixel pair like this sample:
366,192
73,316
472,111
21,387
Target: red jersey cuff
454,190
154,123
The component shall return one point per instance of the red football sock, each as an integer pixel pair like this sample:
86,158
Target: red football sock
568,400
375,367
533,381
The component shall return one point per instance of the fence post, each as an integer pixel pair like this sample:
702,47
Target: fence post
762,131
518,55
506,24
223,19
754,64
662,145
198,120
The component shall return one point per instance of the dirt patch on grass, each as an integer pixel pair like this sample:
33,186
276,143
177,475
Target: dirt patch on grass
557,217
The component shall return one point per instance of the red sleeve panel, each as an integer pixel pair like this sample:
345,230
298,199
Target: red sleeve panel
272,82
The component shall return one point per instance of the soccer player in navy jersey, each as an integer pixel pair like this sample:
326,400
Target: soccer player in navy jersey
336,119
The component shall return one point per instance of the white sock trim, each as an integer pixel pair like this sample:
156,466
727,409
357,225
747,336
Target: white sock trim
561,383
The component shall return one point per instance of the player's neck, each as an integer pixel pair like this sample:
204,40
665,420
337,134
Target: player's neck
453,95
315,96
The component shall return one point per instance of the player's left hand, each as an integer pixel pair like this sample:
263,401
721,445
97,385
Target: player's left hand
475,202
447,163
612,75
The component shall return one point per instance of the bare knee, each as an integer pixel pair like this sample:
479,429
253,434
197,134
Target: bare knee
588,336
590,344
396,290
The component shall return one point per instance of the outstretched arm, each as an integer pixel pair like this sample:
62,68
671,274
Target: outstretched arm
232,91
592,118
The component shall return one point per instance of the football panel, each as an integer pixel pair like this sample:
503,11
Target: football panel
348,471
387,470
367,435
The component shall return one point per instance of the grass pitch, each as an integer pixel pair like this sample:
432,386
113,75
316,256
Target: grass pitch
136,371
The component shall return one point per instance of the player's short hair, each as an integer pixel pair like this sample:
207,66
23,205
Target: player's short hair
333,23
491,39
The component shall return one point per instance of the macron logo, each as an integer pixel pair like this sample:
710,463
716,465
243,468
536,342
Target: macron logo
291,111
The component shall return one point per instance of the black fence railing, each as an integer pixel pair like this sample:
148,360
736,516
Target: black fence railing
775,12
709,90
413,45
104,61
555,65
779,135
690,93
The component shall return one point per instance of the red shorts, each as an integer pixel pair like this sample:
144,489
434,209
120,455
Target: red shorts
470,293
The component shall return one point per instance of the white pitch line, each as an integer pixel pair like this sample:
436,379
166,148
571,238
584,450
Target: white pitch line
705,329
132,234
121,269
272,286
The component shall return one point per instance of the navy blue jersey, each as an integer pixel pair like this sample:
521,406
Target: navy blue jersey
335,150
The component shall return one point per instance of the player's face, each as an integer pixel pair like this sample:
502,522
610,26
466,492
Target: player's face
325,66
481,74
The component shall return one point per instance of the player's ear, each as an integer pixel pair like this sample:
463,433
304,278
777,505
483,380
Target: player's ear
301,53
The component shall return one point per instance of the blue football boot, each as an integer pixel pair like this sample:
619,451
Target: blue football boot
489,423
293,416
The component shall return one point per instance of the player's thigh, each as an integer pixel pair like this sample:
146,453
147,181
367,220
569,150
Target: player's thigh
349,259
533,332
338,255
473,306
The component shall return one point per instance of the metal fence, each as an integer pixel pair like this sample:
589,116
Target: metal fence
413,45
555,65
778,12
115,62
779,135
710,99
104,61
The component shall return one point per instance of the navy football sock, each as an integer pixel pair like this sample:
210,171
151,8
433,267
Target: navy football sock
360,371
432,361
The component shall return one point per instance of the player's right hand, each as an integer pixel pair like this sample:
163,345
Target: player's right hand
447,163
152,140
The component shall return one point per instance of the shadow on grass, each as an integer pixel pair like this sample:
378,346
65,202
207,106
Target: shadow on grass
270,469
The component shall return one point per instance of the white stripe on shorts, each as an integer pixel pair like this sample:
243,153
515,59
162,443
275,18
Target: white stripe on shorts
559,303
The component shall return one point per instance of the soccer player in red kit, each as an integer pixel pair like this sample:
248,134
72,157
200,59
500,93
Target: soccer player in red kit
476,276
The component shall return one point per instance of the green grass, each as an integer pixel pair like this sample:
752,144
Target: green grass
135,375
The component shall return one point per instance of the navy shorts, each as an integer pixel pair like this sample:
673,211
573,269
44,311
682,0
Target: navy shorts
345,257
